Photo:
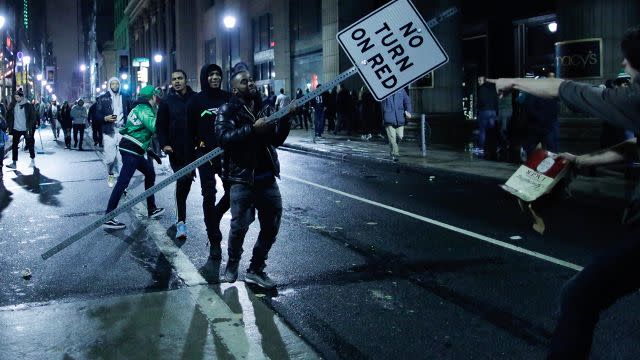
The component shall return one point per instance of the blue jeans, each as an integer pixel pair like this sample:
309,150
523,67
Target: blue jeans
245,200
486,120
131,163
319,122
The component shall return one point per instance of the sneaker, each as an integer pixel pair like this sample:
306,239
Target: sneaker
111,180
231,272
12,165
156,213
215,253
181,230
113,224
32,163
259,278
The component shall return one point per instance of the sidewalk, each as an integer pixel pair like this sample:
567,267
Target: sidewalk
352,148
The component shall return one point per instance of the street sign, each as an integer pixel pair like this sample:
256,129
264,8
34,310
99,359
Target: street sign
392,47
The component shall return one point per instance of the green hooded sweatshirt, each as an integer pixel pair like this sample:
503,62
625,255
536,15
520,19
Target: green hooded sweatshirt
140,127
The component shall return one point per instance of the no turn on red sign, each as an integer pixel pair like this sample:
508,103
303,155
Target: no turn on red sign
392,47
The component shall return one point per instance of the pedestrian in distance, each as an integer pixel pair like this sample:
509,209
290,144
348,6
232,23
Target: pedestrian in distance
113,108
136,137
317,104
282,100
395,110
96,126
174,141
66,123
202,111
22,123
251,168
611,276
79,120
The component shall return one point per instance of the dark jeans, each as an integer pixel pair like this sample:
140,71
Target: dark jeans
342,122
245,200
486,121
319,122
29,140
208,186
97,133
547,137
131,163
67,137
331,120
78,128
183,186
593,290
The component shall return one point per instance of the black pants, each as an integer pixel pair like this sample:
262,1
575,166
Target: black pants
29,140
131,163
245,200
183,186
78,128
584,297
96,129
212,213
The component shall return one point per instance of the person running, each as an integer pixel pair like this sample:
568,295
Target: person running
136,137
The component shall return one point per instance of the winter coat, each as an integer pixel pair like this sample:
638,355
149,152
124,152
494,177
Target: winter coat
104,107
248,153
65,117
172,124
79,115
139,129
202,110
393,108
30,113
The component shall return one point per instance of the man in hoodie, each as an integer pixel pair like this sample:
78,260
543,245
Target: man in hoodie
202,111
251,166
172,135
113,108
79,120
136,137
22,121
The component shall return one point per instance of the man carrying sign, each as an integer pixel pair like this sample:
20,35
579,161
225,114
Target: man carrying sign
251,167
614,275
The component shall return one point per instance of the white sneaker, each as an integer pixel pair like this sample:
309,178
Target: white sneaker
111,180
32,163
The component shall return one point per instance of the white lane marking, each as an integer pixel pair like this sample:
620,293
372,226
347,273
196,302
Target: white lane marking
237,332
444,225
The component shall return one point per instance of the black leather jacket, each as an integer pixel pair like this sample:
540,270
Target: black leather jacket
235,133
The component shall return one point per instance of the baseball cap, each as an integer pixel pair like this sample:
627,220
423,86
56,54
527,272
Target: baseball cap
148,91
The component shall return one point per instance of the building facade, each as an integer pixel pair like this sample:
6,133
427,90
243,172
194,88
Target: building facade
291,44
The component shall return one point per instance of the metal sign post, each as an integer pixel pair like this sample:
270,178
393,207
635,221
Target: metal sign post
218,151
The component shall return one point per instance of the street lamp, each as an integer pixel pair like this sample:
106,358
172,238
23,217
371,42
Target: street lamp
157,58
2,21
229,23
97,89
83,68
124,76
104,86
552,26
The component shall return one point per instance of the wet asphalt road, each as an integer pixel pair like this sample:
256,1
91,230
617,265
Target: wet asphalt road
355,280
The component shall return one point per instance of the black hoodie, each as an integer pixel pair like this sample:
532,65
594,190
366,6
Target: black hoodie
172,124
202,111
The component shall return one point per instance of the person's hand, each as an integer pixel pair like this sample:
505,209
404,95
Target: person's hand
110,118
407,114
262,126
167,149
572,159
503,85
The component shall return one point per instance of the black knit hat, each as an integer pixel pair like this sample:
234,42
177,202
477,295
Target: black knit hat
631,47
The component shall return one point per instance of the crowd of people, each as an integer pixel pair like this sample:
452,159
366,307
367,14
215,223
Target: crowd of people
187,125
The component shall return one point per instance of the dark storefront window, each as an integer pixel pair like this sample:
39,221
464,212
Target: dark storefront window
262,32
306,26
307,70
263,71
210,51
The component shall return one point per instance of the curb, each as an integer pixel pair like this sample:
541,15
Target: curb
426,169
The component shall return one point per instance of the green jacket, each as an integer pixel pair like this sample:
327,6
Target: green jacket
140,127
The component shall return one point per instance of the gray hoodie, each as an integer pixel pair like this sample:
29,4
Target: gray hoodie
79,115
